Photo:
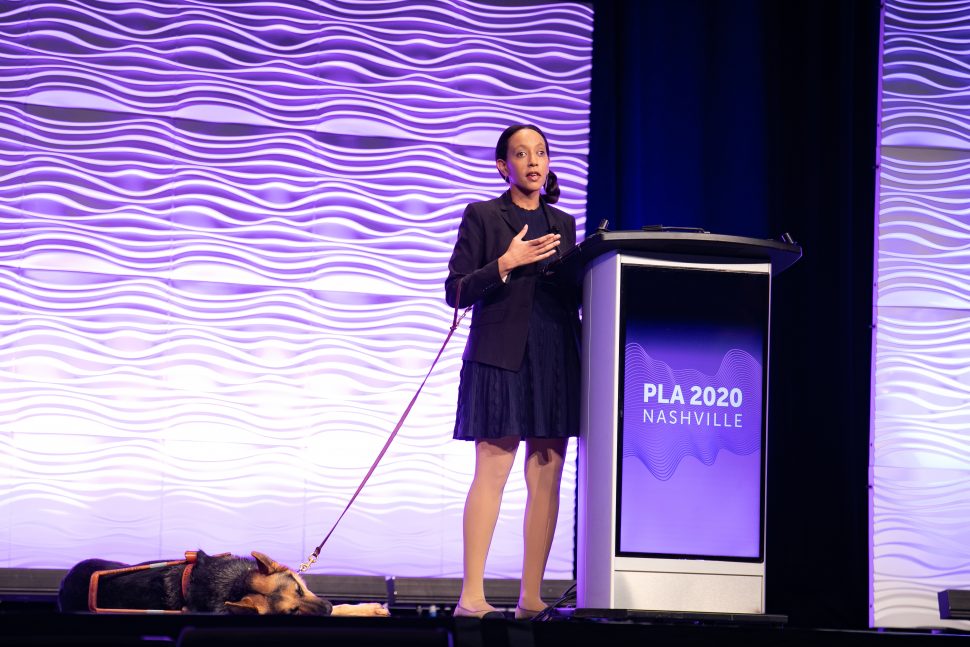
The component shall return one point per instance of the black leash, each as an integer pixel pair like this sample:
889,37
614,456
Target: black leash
454,326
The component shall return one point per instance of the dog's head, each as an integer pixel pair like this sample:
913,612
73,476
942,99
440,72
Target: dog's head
275,589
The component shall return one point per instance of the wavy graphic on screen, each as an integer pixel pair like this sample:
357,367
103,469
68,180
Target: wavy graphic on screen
924,75
920,530
923,229
679,430
920,462
224,231
920,403
258,148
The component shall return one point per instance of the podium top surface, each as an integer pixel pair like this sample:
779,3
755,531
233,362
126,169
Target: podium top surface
781,255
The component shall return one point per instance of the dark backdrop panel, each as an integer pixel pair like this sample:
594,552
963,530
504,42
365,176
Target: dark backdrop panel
757,118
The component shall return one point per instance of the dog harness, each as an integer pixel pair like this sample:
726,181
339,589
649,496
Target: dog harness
191,556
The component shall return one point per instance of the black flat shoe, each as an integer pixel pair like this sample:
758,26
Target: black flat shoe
527,614
484,614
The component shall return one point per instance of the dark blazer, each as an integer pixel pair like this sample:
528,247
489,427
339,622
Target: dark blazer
500,318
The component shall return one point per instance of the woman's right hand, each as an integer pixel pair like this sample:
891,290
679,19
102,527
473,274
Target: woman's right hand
523,252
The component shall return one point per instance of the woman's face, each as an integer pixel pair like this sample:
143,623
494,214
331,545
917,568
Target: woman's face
526,163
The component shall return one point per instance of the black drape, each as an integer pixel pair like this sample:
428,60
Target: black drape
756,118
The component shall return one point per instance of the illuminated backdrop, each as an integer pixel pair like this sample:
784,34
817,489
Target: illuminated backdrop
920,459
224,227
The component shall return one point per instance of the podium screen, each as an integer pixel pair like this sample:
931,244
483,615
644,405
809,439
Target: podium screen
691,412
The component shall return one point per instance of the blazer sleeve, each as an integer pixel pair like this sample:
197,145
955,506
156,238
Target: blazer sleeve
469,266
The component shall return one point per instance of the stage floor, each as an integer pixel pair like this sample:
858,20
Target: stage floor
33,623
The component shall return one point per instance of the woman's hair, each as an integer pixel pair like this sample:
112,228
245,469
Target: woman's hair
502,153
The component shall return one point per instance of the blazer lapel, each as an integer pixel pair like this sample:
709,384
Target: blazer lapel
510,215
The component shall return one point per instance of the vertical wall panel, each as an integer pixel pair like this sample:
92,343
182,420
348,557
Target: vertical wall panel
920,457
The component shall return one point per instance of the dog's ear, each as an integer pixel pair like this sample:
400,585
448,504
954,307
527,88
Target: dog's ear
267,566
249,605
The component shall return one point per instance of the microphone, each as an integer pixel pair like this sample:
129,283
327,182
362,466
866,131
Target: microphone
555,230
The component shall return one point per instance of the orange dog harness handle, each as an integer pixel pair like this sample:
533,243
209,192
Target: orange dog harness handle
190,559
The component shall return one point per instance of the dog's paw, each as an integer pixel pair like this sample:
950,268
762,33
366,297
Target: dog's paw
364,609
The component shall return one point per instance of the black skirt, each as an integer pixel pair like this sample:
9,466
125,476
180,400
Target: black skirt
541,399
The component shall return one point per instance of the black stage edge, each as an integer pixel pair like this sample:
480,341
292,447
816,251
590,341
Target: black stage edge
656,630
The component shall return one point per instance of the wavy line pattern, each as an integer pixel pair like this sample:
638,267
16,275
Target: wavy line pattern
224,229
920,463
703,436
923,374
924,74
919,518
924,228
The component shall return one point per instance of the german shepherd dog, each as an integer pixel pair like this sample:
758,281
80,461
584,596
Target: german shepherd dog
216,584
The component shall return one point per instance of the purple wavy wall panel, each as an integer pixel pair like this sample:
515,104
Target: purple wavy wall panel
920,460
224,230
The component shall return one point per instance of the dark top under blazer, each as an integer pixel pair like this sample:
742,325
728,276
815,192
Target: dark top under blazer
500,319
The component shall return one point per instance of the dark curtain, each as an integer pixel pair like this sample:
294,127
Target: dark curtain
757,118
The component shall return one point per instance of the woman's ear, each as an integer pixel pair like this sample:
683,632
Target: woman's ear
503,169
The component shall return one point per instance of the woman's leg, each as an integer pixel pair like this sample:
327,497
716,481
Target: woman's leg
543,474
493,462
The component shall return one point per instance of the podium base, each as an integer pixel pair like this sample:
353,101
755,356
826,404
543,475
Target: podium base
674,617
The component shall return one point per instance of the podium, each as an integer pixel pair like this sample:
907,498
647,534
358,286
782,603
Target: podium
671,479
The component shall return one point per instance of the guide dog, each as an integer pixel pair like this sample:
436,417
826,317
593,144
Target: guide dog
200,584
